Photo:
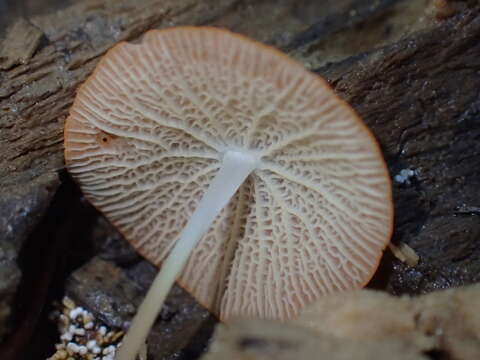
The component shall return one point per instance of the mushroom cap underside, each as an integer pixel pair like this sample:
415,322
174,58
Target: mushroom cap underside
146,135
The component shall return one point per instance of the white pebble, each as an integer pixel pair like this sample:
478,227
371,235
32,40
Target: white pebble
108,350
72,347
96,350
80,332
102,330
91,344
88,325
67,336
399,178
75,312
405,175
82,350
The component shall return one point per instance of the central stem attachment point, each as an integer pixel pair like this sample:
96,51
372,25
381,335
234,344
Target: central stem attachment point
235,168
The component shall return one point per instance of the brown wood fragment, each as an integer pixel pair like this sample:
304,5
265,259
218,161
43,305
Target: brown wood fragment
404,253
19,45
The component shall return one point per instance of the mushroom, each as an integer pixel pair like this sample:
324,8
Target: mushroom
200,136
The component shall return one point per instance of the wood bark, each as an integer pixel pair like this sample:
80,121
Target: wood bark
421,98
419,94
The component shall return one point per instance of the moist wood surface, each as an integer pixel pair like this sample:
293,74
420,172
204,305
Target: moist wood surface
421,98
419,95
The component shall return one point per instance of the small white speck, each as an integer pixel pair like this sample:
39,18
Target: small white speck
67,336
91,344
405,175
108,350
75,312
82,350
88,325
80,332
102,330
96,350
72,347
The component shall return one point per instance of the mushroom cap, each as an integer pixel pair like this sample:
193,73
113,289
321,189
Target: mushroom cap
146,135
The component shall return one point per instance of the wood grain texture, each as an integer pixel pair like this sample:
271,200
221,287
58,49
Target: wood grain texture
419,96
35,97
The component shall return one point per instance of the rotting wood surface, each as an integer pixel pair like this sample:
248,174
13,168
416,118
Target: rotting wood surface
42,62
420,96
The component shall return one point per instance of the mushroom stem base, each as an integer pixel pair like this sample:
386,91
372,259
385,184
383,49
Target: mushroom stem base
235,168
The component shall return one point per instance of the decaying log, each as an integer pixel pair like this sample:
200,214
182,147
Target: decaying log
35,96
42,62
45,58
419,95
